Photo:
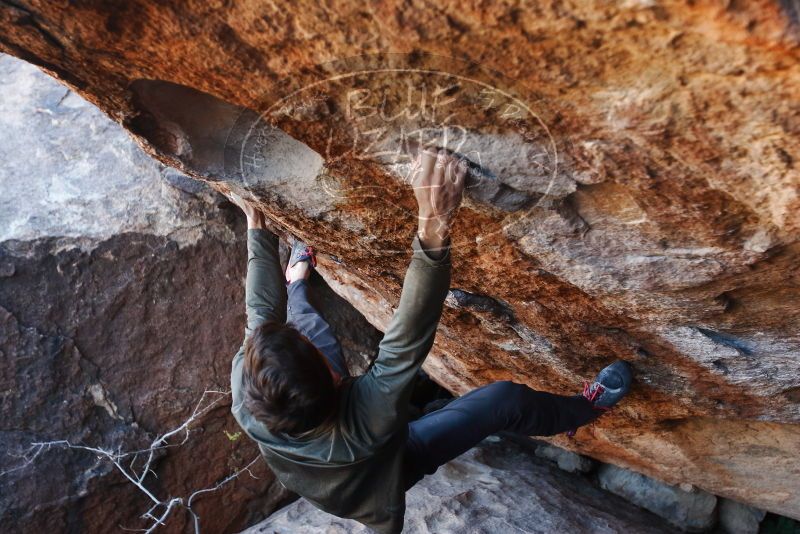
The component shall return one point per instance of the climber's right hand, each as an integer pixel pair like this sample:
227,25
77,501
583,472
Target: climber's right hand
438,180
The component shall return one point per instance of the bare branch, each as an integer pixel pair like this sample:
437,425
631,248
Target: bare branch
161,508
215,488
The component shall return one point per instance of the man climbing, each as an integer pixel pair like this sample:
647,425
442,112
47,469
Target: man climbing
345,443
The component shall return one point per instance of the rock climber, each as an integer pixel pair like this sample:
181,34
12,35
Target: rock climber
345,443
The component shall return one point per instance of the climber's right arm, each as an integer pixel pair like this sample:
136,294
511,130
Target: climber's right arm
381,396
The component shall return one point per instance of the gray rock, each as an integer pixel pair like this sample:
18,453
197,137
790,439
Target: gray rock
663,208
693,511
70,172
566,460
497,487
738,518
121,302
100,258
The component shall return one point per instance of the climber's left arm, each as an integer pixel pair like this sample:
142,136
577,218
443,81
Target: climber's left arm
265,290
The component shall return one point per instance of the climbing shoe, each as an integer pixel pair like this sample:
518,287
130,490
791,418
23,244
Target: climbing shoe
611,384
301,252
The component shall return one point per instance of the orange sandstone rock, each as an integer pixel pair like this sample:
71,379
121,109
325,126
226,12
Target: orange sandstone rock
635,192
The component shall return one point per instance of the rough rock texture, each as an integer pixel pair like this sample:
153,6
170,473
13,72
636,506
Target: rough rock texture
738,518
634,194
692,511
115,317
496,487
566,460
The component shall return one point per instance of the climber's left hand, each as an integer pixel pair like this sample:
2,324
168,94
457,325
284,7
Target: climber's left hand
255,217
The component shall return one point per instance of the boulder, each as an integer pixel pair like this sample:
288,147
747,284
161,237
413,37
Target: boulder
689,509
566,460
115,318
738,518
495,487
633,190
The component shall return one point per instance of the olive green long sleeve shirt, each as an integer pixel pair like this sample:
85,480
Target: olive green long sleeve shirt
353,468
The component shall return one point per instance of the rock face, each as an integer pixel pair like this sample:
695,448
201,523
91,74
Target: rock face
634,191
566,460
496,487
115,317
738,518
691,511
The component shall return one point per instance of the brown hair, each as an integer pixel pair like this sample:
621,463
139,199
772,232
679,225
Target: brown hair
287,383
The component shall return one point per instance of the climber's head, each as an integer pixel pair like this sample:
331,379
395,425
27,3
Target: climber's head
288,384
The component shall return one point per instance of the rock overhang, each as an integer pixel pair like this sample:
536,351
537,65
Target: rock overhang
670,240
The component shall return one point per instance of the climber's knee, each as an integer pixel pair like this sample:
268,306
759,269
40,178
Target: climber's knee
506,393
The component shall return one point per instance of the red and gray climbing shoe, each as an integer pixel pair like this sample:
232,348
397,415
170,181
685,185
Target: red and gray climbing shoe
302,252
610,386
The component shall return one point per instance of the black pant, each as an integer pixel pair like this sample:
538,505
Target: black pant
303,316
448,432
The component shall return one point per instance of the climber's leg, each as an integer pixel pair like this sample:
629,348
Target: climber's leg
448,432
302,315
